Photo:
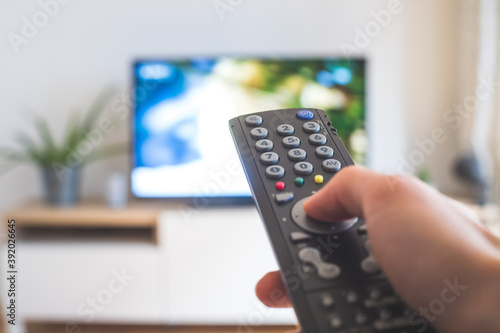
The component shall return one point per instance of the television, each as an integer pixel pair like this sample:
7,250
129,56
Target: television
181,145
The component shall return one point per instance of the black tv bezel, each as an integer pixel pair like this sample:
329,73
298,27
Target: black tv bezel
201,202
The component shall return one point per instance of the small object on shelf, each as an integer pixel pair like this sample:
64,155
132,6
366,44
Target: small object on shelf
62,188
117,190
469,169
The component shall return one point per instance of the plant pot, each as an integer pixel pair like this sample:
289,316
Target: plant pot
61,185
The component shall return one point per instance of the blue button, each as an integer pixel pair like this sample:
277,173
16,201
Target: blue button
305,114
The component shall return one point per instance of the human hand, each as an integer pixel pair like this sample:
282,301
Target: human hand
439,259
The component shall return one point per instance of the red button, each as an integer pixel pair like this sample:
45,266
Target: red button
280,186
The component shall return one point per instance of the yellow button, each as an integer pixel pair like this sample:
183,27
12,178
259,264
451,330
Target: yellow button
318,179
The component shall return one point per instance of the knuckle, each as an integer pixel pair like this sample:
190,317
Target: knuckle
393,187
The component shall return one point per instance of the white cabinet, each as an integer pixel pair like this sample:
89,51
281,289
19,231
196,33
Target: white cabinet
213,260
202,271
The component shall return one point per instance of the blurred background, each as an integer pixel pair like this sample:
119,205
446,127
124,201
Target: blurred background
110,112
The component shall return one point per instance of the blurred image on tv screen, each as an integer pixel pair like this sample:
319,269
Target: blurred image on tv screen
182,145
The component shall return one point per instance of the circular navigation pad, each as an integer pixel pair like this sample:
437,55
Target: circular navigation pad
300,218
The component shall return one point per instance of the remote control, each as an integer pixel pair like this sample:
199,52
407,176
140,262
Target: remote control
332,278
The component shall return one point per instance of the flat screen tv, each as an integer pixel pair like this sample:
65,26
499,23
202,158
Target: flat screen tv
182,148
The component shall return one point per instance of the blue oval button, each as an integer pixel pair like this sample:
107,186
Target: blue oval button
305,114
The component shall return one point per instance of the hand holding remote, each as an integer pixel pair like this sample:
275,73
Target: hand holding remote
439,259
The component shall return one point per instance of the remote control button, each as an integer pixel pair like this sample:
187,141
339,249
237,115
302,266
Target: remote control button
297,154
324,152
303,168
336,322
375,294
307,223
311,127
386,301
396,323
285,130
327,300
305,114
259,133
253,120
299,181
361,318
310,255
299,237
326,271
317,139
291,142
351,297
385,314
369,265
318,179
308,269
283,198
280,186
331,165
269,158
264,145
275,172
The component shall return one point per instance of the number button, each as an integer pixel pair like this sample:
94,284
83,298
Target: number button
275,172
297,154
324,152
291,142
303,168
264,145
331,165
285,130
253,120
269,158
311,127
317,139
259,133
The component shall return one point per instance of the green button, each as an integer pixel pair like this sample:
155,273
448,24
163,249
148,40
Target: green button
299,181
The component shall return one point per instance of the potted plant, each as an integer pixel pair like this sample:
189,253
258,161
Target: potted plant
61,164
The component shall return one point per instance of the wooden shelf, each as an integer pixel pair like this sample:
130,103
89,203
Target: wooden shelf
87,215
40,327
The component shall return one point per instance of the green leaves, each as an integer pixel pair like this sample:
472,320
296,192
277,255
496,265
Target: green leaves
96,108
48,150
108,151
44,151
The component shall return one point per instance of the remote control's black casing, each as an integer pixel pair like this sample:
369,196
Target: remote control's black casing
332,278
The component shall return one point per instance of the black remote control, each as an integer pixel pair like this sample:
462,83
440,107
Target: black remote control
332,278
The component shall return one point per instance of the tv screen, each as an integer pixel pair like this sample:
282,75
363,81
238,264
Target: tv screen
182,147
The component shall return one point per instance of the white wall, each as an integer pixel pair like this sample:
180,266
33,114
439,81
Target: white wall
90,44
